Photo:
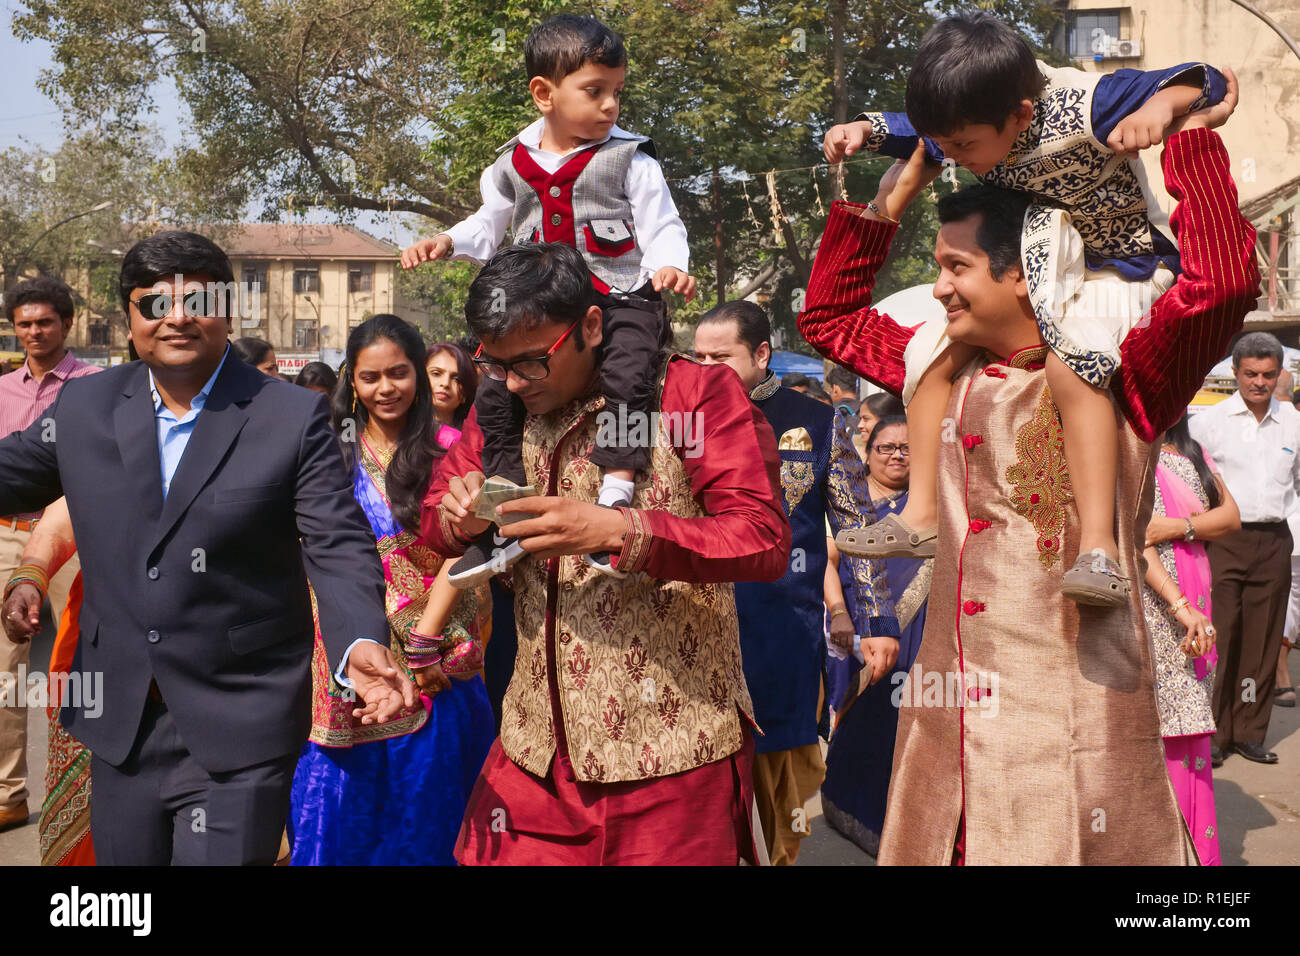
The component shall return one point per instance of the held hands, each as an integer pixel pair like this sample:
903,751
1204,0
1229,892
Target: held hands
22,613
844,140
431,679
674,280
1142,128
1212,117
1199,639
427,250
378,681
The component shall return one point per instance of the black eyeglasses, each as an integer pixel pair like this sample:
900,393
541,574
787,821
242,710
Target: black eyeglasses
197,304
529,369
890,450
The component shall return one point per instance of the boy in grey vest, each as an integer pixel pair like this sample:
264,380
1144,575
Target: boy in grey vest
575,177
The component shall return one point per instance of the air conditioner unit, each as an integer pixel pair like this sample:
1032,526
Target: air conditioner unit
1124,49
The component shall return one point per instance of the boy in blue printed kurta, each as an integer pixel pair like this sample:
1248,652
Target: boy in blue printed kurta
1096,251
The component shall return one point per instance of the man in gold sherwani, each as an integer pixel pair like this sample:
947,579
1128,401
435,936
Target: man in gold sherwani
1029,731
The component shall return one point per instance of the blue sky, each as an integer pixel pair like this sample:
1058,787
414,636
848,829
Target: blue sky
29,118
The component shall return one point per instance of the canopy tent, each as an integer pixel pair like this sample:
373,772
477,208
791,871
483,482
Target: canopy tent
783,363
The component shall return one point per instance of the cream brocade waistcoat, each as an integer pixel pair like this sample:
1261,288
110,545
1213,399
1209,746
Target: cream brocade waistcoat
649,672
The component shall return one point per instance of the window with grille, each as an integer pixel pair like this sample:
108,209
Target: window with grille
361,277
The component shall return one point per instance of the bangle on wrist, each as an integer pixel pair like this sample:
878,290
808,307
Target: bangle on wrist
836,611
1178,605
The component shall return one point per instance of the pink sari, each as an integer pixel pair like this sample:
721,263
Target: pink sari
1188,757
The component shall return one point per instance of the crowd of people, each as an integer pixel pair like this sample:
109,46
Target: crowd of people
564,594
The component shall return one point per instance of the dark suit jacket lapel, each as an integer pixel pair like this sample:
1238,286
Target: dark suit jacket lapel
214,432
136,431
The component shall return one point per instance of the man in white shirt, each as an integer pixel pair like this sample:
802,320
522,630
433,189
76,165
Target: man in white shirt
1255,443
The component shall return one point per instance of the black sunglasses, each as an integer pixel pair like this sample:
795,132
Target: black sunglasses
158,305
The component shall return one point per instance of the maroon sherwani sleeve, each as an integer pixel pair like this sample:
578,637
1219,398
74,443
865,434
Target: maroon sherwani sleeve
1165,358
734,470
838,320
464,456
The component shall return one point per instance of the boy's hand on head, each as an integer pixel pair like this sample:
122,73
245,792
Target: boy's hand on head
674,280
1142,128
426,250
844,140
1211,117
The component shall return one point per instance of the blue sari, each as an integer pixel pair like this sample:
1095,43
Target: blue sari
861,754
394,793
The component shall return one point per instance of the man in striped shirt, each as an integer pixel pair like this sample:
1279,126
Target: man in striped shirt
41,312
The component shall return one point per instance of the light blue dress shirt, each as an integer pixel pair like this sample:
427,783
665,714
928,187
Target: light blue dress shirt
173,437
174,433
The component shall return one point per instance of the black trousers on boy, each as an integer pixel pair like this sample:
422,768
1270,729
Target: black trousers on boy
635,333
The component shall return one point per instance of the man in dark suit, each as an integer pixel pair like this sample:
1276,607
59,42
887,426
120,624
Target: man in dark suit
203,496
782,643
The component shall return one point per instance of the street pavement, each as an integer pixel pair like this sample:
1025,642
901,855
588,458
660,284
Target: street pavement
1258,806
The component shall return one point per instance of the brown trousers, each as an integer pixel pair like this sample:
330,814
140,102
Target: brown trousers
1251,575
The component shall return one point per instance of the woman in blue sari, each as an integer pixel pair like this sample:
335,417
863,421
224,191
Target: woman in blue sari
861,754
392,793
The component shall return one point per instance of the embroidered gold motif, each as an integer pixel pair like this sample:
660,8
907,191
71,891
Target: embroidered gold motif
796,481
1041,479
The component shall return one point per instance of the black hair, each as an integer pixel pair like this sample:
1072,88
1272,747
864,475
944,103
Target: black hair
527,284
169,253
1002,219
881,425
40,290
466,375
794,380
408,474
565,43
884,405
816,391
1180,436
970,68
317,375
841,377
752,325
253,351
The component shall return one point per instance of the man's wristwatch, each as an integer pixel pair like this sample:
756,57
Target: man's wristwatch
1190,536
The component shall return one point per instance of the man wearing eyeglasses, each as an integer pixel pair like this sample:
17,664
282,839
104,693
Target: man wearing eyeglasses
203,496
625,735
781,634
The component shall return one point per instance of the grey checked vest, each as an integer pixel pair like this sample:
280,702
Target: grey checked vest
581,204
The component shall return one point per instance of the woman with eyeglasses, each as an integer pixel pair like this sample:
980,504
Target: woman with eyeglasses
394,793
861,753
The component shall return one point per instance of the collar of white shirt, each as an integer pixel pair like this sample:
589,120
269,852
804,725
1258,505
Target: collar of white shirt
199,400
1236,405
531,136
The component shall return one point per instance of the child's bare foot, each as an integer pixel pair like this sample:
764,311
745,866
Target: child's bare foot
1095,580
890,537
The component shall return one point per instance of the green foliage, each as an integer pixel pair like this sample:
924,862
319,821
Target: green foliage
398,106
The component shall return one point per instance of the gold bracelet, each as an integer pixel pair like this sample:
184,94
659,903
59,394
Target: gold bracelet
1181,603
838,610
